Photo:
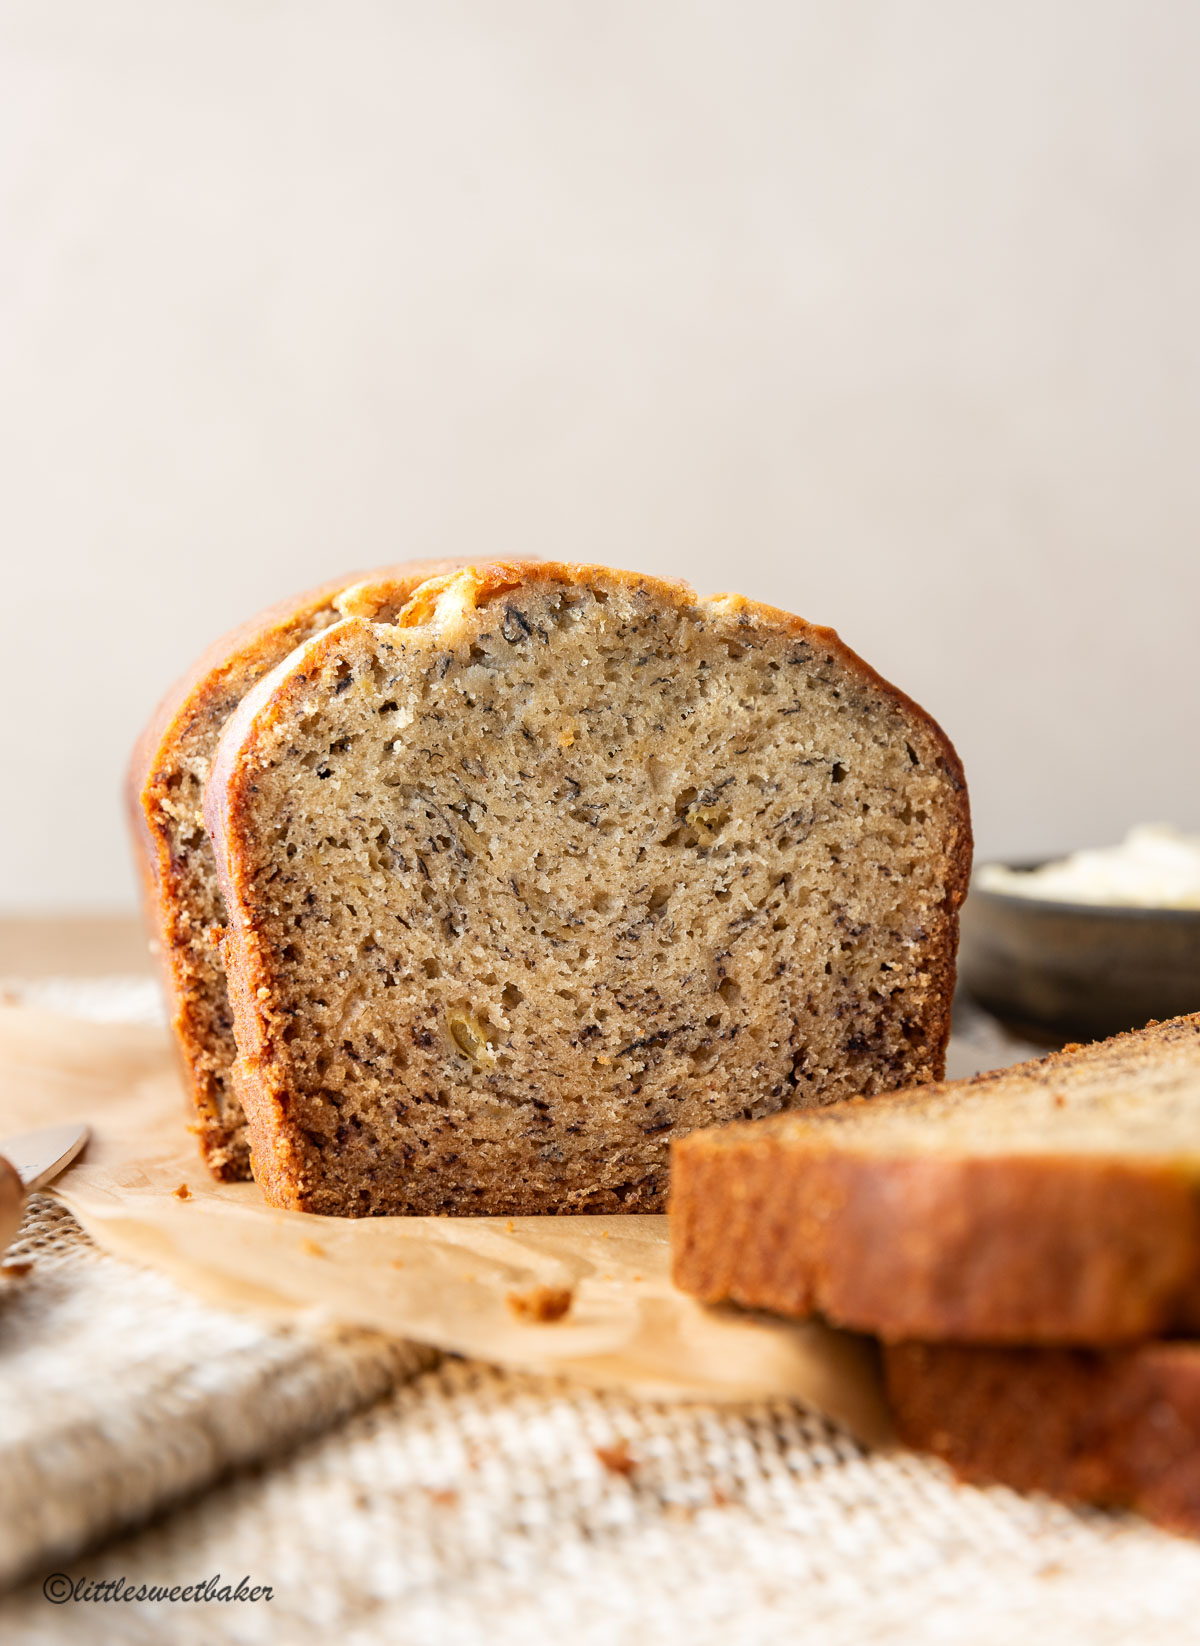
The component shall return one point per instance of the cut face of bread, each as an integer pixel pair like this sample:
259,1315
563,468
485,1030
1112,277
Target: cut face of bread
1119,1428
562,863
1056,1202
185,913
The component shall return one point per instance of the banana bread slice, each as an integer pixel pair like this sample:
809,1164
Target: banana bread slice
184,913
562,862
1118,1427
1054,1202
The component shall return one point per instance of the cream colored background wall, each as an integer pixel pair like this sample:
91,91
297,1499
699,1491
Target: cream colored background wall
883,311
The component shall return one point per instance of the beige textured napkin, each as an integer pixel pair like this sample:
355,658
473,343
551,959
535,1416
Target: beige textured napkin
120,1394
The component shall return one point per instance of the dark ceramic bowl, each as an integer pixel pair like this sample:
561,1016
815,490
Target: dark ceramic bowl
1077,971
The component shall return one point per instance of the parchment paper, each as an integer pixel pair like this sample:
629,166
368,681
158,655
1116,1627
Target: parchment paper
440,1281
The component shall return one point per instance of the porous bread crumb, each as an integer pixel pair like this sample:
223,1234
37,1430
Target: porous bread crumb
501,973
183,902
541,1303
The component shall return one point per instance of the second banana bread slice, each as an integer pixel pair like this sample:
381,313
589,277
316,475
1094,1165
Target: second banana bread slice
1115,1427
185,914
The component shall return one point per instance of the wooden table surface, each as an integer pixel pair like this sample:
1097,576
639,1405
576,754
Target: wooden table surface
65,945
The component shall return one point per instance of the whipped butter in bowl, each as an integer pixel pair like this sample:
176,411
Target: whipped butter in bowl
1154,867
1086,945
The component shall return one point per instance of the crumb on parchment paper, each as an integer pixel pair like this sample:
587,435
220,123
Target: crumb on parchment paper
618,1459
541,1304
182,1192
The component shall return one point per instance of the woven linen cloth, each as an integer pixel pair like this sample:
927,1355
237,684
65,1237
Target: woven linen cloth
122,1394
462,1504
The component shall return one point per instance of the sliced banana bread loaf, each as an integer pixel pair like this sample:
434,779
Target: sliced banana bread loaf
184,911
1120,1428
1055,1202
560,863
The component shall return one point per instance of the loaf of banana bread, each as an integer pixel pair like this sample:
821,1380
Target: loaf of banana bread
563,862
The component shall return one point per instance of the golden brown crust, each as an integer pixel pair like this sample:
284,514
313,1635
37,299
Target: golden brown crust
1119,1428
281,1162
997,1248
185,727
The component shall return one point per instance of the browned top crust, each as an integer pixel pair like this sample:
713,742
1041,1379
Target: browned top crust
183,912
1057,1202
1119,1428
490,581
296,1129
